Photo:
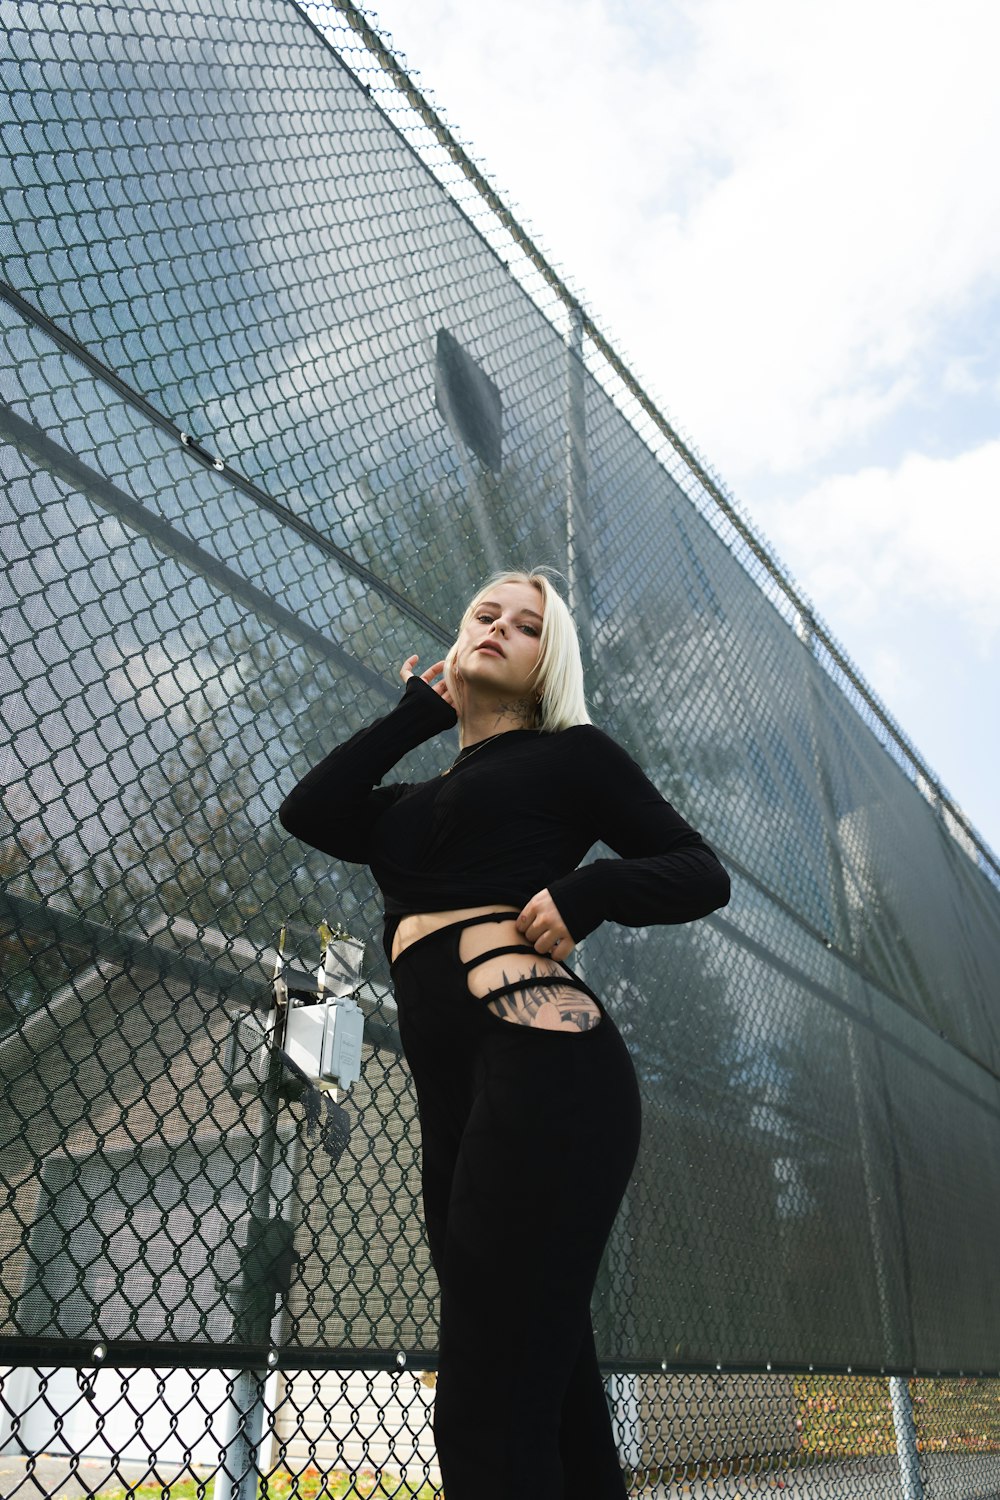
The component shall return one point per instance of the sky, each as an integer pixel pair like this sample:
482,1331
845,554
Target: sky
785,216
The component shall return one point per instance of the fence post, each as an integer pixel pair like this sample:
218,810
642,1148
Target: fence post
236,1478
911,1484
576,452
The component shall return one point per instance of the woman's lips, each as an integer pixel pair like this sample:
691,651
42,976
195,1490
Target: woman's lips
495,650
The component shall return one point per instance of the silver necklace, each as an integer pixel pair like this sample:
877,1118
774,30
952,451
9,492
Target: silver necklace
481,746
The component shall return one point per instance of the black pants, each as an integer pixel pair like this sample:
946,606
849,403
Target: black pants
529,1139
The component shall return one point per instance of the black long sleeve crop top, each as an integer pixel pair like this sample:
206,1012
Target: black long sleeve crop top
516,815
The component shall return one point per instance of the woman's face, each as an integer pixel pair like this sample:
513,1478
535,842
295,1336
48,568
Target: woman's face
499,644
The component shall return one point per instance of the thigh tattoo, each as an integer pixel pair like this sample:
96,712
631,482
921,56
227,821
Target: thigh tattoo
550,1007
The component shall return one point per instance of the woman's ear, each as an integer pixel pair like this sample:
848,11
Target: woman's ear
453,677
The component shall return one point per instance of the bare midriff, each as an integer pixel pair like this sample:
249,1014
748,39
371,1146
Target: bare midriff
550,1005
419,924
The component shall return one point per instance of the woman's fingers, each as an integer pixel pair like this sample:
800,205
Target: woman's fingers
437,668
441,688
541,923
407,670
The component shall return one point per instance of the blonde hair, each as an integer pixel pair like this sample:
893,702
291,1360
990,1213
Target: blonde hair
558,673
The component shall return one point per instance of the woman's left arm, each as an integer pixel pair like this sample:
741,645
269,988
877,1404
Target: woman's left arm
666,874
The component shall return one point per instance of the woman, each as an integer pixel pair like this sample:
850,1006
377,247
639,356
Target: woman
528,1102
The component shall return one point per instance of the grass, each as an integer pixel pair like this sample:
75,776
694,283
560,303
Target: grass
850,1416
844,1416
309,1484
960,1415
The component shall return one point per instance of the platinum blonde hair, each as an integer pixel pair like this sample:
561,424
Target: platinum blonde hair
558,673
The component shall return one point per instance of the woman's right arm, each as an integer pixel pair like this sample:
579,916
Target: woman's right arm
337,803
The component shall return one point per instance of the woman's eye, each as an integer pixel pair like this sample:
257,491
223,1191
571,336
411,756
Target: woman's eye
485,616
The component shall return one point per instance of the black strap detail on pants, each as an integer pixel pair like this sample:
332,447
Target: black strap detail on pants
473,963
487,916
534,981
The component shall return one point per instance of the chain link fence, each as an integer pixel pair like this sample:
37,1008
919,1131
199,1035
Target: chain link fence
141,1431
283,379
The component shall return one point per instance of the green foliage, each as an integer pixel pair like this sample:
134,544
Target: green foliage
957,1415
191,835
844,1416
308,1484
850,1416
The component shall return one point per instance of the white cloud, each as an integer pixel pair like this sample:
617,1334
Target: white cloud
959,377
775,207
868,545
806,282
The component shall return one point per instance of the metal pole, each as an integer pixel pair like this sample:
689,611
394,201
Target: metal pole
575,475
910,1481
625,1389
872,1199
245,1410
899,1390
236,1479
576,452
840,915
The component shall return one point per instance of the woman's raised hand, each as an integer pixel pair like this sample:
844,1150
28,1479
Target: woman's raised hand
441,688
542,924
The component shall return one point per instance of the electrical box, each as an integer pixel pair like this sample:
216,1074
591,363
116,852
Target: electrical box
324,1040
324,1027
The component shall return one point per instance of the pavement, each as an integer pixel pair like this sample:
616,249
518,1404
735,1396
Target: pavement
62,1479
53,1478
959,1477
